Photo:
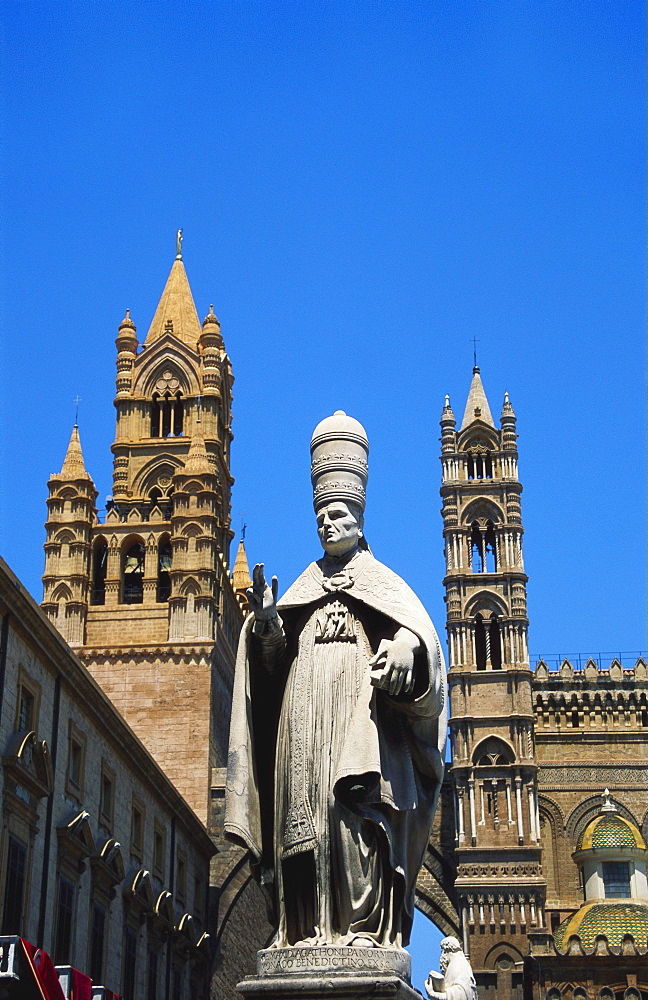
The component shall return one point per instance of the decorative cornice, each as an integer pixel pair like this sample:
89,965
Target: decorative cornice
39,632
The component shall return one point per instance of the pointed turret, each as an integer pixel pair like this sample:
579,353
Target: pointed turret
71,515
73,465
241,579
197,459
509,438
477,407
176,312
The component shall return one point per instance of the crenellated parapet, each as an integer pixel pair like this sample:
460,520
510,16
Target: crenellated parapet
591,698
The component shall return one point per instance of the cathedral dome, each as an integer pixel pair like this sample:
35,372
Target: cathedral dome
610,831
615,920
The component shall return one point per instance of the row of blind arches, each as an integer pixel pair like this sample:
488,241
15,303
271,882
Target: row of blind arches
580,993
132,572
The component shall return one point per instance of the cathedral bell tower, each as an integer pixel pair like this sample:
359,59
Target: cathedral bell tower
500,891
146,596
71,516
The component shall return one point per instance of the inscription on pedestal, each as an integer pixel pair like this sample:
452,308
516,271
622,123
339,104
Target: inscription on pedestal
279,961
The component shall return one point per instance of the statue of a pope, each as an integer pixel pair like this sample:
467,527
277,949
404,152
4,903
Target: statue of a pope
338,726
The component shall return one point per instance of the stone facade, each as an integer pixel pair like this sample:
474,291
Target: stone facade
102,862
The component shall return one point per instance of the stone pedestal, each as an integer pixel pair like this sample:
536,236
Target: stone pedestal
332,973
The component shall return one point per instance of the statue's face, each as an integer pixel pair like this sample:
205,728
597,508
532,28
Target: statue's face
339,528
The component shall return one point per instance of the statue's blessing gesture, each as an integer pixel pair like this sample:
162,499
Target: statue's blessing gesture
338,726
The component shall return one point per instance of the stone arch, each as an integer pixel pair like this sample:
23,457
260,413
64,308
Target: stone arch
500,950
65,537
482,439
644,826
492,745
190,588
240,895
157,473
62,593
482,510
585,811
553,809
161,360
193,486
133,549
486,601
552,826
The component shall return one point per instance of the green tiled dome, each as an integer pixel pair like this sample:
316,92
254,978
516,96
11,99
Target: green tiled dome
612,919
610,830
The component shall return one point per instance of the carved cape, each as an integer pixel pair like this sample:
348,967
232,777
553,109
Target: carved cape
407,777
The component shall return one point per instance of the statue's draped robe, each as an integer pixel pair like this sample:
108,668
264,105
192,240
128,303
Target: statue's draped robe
331,782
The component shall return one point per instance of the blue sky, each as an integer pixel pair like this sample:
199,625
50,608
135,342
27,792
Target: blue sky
363,188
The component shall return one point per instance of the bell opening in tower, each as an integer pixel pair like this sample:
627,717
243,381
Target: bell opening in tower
133,576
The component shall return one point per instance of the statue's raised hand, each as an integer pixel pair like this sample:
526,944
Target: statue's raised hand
262,599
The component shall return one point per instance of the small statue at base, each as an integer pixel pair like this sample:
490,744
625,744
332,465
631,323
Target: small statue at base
456,981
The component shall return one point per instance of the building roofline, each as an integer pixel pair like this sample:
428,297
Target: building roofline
41,631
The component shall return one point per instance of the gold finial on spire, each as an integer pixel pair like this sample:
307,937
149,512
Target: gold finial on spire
179,245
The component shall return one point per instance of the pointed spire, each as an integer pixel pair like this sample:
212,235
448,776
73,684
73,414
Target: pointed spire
176,311
477,407
507,408
211,330
127,322
446,414
241,573
197,459
74,466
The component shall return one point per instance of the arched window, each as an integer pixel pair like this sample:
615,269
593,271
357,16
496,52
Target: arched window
488,646
480,642
99,565
490,549
479,463
178,414
495,643
167,415
164,568
155,415
133,575
155,495
476,549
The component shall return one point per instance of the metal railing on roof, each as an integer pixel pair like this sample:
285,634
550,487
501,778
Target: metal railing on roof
553,661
